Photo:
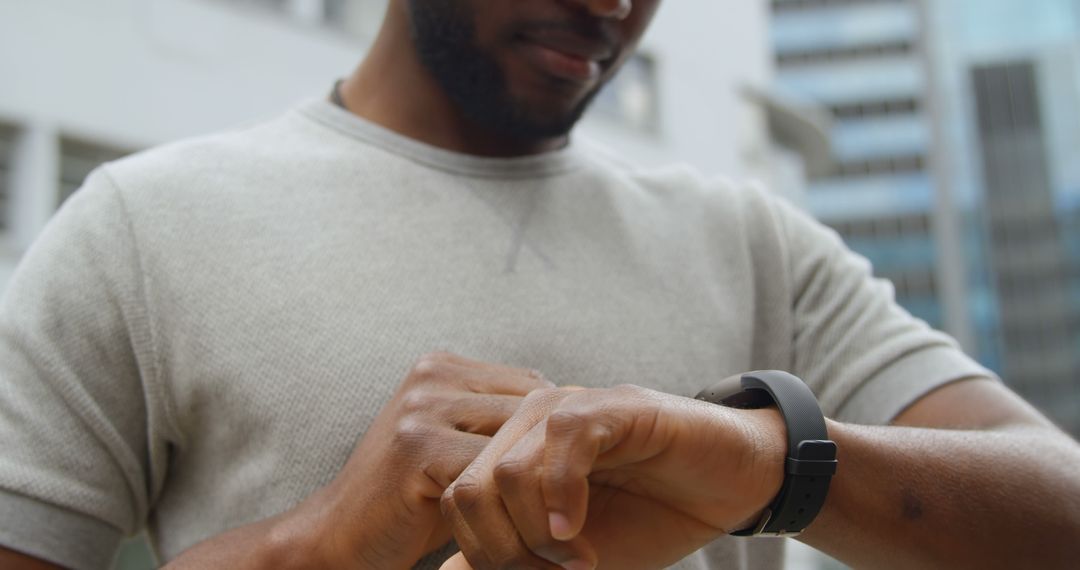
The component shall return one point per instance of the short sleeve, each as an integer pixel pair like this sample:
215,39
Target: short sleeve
865,357
74,464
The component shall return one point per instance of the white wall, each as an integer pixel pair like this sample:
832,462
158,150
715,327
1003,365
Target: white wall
706,52
139,72
136,73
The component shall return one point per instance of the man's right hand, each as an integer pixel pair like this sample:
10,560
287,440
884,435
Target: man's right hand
382,510
385,502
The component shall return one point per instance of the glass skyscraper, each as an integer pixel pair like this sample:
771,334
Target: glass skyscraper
1008,82
862,60
956,138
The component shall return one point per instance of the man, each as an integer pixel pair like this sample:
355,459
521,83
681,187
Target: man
221,340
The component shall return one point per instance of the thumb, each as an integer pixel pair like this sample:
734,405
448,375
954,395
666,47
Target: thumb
457,562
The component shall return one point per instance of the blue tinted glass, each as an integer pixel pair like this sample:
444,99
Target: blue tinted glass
841,199
880,136
843,27
855,81
894,255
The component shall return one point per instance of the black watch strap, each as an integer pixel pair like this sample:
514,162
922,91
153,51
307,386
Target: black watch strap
811,457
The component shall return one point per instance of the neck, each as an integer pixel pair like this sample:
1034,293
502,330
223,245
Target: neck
392,88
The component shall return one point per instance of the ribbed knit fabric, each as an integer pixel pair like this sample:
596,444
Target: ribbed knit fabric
204,332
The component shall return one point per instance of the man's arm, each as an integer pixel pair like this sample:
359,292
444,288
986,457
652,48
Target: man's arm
985,482
968,476
381,512
18,561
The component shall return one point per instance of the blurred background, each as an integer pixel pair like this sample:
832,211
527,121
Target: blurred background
940,138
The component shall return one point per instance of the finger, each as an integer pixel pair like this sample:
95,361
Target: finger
575,435
478,450
517,475
493,378
480,413
456,562
473,506
502,380
483,529
457,450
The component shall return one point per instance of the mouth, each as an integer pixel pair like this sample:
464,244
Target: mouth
566,54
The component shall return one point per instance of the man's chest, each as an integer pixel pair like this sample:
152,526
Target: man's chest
279,356
328,318
336,337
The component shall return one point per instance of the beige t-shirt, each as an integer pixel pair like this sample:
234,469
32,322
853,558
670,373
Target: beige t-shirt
203,333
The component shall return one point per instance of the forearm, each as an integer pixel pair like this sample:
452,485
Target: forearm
299,539
931,498
277,543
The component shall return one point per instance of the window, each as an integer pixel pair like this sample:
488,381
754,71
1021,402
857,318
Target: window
8,136
878,228
902,251
798,5
879,108
832,55
1028,252
886,165
78,158
914,283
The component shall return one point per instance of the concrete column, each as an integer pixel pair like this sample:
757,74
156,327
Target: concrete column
951,266
36,182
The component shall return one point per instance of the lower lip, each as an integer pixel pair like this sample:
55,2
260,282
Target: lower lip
562,65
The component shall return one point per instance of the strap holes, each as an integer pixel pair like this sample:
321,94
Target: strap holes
812,479
801,511
808,496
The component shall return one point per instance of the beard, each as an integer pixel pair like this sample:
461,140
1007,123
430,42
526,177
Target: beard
444,35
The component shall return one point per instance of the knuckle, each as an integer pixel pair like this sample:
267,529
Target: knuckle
465,494
411,435
563,421
510,471
418,402
446,502
629,390
541,380
631,393
429,366
540,395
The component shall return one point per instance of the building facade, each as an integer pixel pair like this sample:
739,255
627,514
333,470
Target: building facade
955,138
862,60
1008,77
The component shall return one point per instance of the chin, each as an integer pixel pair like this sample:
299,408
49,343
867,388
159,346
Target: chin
553,116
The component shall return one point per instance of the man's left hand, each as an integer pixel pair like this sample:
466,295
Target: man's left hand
613,478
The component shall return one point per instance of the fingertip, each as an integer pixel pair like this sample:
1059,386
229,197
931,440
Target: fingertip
560,526
456,562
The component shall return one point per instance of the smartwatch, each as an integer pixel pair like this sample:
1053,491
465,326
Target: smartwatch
811,456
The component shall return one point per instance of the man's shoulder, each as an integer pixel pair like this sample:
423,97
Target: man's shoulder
206,160
676,180
685,190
